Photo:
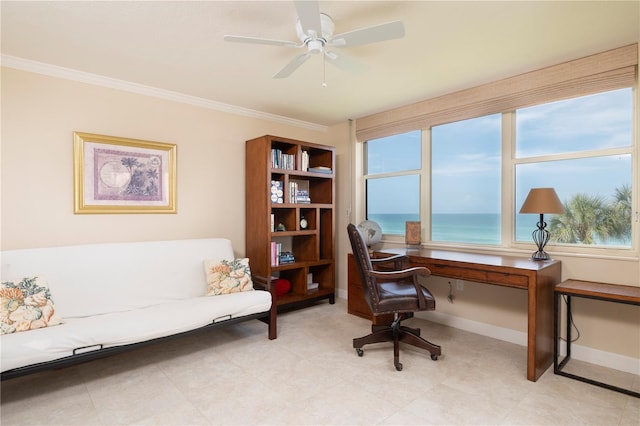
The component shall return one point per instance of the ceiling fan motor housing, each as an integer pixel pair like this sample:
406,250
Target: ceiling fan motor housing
315,43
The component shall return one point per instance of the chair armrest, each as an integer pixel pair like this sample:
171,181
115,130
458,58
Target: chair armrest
397,260
404,273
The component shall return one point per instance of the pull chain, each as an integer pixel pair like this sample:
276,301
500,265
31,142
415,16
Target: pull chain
324,70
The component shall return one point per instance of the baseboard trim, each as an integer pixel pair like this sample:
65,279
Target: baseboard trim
578,352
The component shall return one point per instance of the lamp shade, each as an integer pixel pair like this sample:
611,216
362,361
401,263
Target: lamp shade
542,200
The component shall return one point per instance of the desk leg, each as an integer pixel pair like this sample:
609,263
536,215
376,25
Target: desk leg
569,337
556,332
557,367
540,327
557,310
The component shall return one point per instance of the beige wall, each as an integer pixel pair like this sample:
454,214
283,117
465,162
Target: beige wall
40,114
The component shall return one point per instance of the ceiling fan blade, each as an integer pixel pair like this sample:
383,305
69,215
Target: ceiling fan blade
388,31
309,15
292,66
344,62
258,40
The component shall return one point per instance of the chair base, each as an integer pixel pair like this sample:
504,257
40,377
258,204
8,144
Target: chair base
396,333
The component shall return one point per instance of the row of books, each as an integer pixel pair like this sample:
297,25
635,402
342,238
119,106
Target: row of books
298,194
279,257
280,160
276,249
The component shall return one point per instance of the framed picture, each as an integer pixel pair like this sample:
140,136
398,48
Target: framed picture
120,175
412,233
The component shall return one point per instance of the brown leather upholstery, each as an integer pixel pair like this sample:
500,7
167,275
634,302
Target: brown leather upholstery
392,290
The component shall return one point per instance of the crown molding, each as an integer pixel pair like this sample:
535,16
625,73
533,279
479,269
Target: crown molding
127,86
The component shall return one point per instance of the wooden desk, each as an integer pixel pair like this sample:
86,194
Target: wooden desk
591,290
537,277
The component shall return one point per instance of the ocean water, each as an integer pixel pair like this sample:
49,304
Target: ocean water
472,228
463,227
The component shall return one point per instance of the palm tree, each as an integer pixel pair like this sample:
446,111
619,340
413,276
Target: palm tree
586,218
621,213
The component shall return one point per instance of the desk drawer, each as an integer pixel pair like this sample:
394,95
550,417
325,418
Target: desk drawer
459,273
510,280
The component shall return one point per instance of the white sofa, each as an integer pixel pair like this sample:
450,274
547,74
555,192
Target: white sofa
115,296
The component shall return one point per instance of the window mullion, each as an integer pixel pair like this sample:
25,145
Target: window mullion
508,178
425,186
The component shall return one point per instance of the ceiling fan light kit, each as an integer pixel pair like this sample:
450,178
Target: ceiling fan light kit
315,32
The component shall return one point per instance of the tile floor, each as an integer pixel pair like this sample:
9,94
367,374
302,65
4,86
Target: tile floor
311,375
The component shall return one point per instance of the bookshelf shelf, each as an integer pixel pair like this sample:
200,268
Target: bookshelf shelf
288,180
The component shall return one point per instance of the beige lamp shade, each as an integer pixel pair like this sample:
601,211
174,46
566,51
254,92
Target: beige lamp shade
542,200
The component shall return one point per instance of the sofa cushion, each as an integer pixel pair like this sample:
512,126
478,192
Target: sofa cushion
79,335
26,304
227,276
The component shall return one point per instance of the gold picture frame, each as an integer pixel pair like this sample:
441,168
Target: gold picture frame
122,175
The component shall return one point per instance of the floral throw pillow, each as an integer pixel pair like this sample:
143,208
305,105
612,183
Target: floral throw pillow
26,305
228,276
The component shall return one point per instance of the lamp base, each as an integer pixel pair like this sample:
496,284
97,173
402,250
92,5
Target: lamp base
540,255
541,237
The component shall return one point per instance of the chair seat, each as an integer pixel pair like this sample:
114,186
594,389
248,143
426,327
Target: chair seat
401,297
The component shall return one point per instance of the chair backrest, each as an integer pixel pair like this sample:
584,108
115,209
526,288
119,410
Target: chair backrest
363,262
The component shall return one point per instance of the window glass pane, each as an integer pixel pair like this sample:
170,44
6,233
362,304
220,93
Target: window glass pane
593,122
391,201
466,187
394,153
596,193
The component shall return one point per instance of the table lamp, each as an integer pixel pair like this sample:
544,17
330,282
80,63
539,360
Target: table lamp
541,201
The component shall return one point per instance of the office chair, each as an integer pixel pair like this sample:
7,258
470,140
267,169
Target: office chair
392,291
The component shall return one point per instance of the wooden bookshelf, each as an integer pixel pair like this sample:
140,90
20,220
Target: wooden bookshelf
309,168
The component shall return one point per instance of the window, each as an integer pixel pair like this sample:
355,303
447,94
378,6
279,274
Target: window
569,126
392,174
582,147
466,181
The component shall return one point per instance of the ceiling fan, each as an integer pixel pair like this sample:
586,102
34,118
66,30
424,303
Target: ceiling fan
315,32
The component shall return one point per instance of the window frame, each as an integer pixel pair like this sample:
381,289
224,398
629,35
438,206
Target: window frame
508,208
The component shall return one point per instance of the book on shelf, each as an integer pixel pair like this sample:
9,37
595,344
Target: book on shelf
286,257
273,223
302,196
280,160
299,192
276,192
276,249
305,161
310,284
321,169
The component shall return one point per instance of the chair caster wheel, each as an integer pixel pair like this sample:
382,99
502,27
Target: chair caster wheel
359,351
399,367
434,357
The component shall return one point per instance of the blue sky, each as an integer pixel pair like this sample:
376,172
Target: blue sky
466,156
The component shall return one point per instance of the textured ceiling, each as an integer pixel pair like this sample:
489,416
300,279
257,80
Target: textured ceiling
178,46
